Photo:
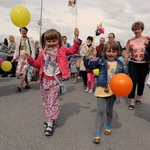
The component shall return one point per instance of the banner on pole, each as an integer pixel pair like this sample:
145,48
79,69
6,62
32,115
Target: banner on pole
72,3
99,30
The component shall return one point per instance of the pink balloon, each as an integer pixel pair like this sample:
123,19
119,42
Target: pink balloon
101,30
1,60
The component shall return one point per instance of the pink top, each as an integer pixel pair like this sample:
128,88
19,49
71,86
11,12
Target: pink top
137,48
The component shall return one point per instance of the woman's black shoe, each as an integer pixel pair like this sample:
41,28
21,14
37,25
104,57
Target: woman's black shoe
4,75
131,107
18,89
27,87
12,76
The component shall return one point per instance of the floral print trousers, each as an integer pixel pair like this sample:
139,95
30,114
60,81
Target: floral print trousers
50,94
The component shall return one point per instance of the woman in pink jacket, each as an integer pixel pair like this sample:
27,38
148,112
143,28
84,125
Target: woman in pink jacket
52,60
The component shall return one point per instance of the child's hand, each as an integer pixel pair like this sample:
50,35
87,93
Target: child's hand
13,60
76,33
76,54
91,48
27,55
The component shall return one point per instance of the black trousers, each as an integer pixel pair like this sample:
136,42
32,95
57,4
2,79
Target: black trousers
84,77
138,72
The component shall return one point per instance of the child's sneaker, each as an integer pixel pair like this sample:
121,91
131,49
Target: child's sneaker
79,77
96,139
107,131
49,131
86,90
90,91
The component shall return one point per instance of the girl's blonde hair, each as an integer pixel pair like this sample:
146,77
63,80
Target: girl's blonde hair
51,34
12,38
112,45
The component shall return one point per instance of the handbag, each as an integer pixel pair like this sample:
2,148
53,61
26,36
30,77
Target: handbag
148,80
147,51
62,85
78,62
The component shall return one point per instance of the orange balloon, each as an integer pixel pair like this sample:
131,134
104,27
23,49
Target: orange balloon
121,84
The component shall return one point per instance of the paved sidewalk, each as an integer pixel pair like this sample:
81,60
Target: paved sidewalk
22,117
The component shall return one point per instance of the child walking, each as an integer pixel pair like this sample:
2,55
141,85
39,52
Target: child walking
90,75
109,65
83,51
52,60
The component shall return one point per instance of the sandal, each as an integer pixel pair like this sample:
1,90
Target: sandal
49,131
138,102
107,132
131,107
18,89
45,124
96,140
27,87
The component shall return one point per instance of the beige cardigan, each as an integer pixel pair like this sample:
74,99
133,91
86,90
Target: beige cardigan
31,41
83,52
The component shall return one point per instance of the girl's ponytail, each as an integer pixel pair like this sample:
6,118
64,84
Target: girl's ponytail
42,40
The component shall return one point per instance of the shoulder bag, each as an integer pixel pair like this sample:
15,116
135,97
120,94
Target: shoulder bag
61,83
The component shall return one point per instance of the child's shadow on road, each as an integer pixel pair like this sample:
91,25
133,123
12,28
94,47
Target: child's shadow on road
67,110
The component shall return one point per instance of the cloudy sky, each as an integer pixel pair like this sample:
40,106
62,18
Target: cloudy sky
117,16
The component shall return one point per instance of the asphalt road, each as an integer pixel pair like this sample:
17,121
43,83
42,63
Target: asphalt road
22,117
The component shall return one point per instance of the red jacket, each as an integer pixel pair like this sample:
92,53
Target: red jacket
61,59
99,48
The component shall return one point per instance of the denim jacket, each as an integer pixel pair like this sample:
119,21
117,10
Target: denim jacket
102,65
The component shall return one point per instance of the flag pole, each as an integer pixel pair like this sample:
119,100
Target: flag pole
40,21
76,13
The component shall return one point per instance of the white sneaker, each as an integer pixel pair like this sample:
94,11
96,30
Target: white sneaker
86,90
79,77
90,91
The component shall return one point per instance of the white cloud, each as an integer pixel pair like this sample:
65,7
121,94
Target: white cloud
117,17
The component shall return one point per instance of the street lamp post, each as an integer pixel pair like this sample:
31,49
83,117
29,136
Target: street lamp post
40,21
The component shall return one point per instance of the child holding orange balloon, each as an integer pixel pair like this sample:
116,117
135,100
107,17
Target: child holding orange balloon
109,65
